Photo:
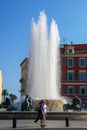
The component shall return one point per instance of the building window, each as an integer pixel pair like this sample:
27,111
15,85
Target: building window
82,90
70,62
70,75
70,50
82,75
70,90
82,62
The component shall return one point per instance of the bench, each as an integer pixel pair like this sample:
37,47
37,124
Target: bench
14,115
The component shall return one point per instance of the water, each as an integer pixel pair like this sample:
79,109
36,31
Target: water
44,67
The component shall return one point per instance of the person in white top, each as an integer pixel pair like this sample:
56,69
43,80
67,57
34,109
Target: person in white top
45,112
45,108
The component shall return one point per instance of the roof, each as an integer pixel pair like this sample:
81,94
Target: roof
23,61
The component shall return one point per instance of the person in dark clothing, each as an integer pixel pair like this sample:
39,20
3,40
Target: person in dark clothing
39,113
42,115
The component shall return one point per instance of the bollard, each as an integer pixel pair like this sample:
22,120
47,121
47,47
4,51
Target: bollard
14,123
67,122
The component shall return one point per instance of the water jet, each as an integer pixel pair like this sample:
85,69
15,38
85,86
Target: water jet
44,70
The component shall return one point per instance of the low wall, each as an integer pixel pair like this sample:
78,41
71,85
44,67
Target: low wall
50,115
44,128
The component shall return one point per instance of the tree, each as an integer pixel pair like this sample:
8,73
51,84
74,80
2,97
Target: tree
12,97
5,93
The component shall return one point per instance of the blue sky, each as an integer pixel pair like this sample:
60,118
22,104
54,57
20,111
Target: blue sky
15,23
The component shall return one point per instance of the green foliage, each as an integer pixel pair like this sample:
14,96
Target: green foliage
5,93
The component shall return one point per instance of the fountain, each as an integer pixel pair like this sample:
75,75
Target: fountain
44,67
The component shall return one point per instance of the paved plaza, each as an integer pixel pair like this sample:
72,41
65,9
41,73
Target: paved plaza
55,124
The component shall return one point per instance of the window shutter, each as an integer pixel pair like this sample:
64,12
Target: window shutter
67,90
73,90
79,62
73,62
66,62
73,76
79,90
67,76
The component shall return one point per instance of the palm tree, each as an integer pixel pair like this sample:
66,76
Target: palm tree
12,97
5,93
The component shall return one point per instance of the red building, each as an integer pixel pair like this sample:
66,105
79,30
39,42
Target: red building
74,71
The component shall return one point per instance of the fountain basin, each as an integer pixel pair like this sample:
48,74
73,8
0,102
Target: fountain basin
52,104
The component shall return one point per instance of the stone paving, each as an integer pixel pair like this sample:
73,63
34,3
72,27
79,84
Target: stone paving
29,124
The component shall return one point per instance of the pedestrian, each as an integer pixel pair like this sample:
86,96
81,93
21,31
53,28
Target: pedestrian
45,112
38,114
42,115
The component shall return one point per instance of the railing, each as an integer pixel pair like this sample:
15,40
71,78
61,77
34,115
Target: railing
14,115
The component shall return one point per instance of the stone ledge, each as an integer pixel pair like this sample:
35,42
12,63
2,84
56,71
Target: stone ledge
43,128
